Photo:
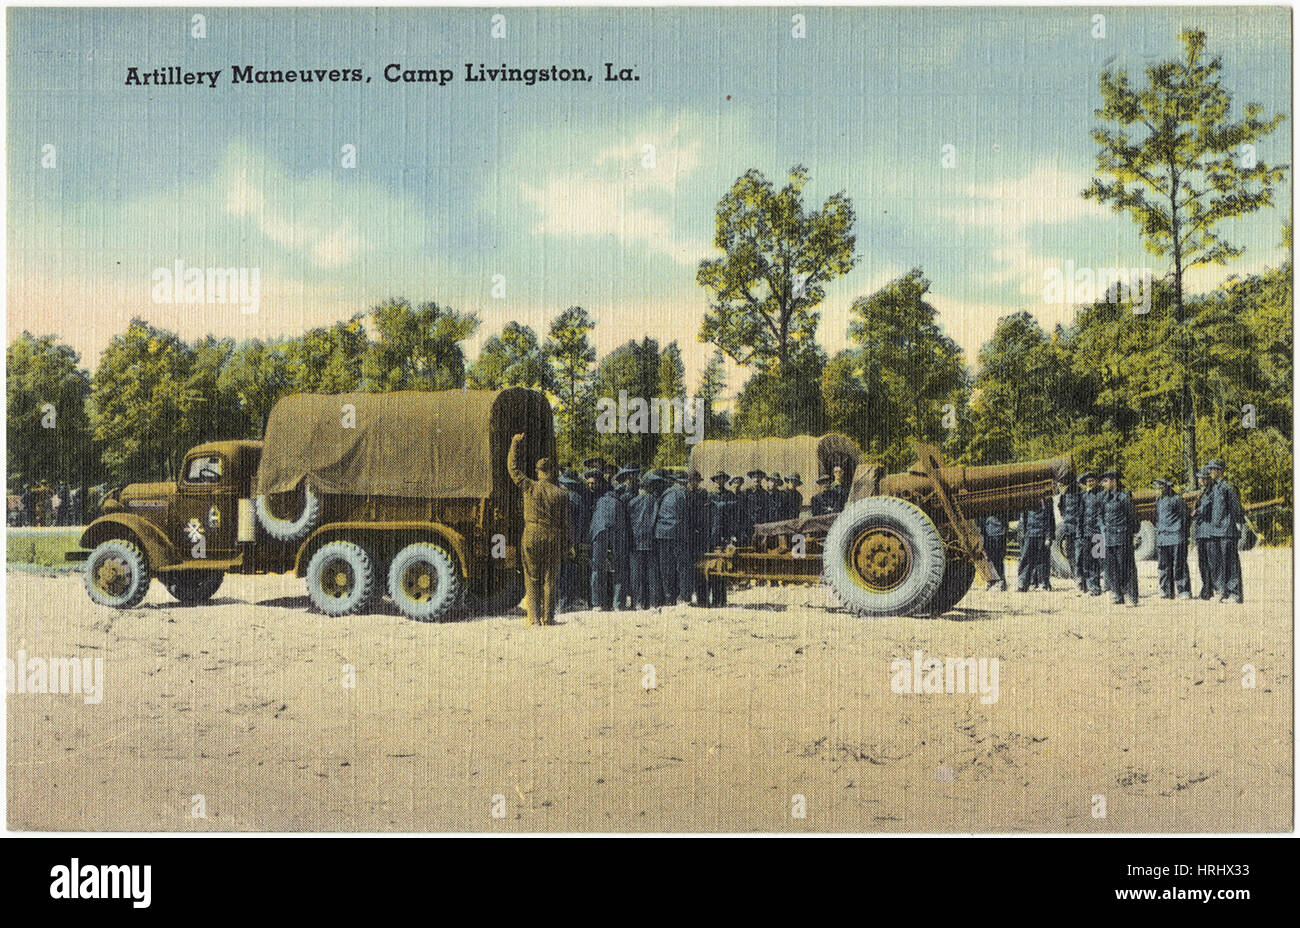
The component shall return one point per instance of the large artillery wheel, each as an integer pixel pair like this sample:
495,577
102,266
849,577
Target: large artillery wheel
883,556
958,576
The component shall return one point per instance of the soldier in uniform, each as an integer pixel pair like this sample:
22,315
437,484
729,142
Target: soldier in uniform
1201,516
750,497
700,525
609,545
628,482
1172,520
791,498
672,544
643,558
819,505
1224,531
1037,529
571,585
770,501
722,531
1091,548
1119,523
993,535
546,534
837,494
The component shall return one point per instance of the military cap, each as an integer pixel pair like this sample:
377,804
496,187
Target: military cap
594,463
756,474
627,472
1216,464
794,478
1162,482
1203,472
592,474
1087,475
1111,475
823,479
736,480
722,476
568,480
695,475
774,476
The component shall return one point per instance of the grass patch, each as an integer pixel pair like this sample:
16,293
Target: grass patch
45,549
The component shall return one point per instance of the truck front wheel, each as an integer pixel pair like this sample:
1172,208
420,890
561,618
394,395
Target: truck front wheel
117,574
340,578
424,582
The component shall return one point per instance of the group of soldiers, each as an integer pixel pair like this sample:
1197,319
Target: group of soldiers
644,534
44,503
1097,525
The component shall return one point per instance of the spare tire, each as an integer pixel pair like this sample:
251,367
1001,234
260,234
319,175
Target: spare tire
285,528
1144,542
957,579
884,556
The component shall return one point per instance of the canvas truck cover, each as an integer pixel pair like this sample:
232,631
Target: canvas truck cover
807,455
448,444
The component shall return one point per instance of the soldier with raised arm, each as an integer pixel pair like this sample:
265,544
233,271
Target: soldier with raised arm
546,534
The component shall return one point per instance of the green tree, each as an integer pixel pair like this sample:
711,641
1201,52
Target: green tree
777,258
417,347
777,405
47,432
632,367
256,374
904,369
671,450
512,359
1179,166
570,355
713,381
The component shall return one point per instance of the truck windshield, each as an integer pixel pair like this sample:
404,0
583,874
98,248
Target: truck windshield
204,470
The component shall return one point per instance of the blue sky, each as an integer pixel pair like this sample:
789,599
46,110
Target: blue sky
548,185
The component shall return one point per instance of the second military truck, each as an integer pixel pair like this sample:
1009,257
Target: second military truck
360,494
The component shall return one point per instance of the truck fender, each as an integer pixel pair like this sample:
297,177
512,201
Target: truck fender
121,524
344,529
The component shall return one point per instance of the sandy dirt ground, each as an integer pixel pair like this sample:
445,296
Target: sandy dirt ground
734,719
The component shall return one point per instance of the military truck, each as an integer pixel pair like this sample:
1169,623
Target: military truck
905,544
360,494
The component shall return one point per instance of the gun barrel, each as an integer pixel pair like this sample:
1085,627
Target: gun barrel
993,489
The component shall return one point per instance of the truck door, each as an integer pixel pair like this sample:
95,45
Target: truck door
205,506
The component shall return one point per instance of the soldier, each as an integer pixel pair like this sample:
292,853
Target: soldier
1071,506
571,585
819,505
1172,520
1092,546
750,503
1118,525
1037,529
643,559
672,544
598,465
611,471
770,501
700,522
993,534
791,498
722,532
546,534
838,492
628,481
29,506
1224,531
609,545
1201,516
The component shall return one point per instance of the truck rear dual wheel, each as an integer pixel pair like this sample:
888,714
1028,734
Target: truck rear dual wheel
117,574
884,556
341,578
424,582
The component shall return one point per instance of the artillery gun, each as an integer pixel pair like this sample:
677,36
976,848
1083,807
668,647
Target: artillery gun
905,544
